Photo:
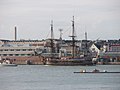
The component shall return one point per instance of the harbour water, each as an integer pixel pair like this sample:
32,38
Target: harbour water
40,77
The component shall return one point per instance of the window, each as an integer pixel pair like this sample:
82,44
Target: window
16,54
17,49
1,50
28,54
22,54
4,54
93,49
24,49
10,54
11,49
29,49
6,50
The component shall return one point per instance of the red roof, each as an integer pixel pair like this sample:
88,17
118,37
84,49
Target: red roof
115,45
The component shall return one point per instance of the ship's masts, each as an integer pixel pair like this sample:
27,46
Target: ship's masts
73,38
86,45
60,37
86,39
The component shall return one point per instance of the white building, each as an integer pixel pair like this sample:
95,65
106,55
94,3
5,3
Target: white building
95,50
19,48
114,48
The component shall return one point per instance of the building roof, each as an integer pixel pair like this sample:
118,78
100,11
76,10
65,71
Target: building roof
98,46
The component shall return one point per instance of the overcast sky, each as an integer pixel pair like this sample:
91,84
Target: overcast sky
100,18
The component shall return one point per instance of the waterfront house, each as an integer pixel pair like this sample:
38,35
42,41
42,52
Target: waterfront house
112,55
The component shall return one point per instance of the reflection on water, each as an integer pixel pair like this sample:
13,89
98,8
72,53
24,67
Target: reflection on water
39,77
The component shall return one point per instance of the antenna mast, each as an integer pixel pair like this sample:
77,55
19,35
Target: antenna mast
60,33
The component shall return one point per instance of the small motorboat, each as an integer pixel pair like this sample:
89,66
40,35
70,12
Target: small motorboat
7,63
13,65
95,71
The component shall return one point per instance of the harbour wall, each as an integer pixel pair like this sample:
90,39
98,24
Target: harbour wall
38,60
23,60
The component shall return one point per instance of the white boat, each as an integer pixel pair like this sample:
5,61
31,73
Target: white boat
7,63
12,65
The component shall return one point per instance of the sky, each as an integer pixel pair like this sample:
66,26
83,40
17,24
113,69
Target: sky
99,18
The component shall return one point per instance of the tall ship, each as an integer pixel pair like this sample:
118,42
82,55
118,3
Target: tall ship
45,52
74,59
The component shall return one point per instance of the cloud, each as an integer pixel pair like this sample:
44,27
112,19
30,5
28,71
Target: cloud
35,16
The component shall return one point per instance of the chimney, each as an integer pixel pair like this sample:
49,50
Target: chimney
15,33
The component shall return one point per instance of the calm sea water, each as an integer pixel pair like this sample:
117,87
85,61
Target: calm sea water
38,77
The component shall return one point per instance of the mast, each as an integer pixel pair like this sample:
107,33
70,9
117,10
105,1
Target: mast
73,38
86,39
60,36
86,46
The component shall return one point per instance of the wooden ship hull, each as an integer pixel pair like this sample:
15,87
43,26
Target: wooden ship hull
69,62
